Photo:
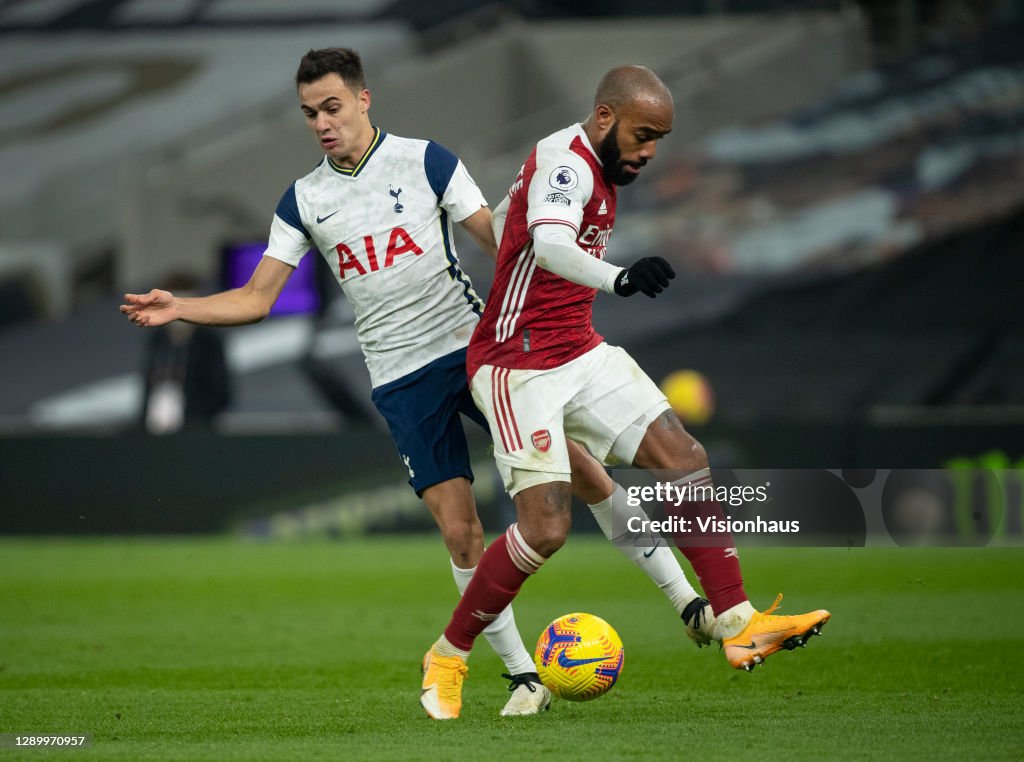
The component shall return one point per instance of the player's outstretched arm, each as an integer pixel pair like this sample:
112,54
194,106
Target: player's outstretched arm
248,304
152,309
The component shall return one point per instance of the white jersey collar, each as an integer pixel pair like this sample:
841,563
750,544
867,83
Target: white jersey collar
586,141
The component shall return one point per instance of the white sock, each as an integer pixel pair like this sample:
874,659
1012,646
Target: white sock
731,622
501,633
443,647
657,560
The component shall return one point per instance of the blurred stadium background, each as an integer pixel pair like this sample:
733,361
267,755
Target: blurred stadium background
843,196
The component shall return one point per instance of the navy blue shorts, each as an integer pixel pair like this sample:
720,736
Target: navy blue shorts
422,410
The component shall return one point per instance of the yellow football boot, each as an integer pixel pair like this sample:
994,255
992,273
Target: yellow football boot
441,694
766,633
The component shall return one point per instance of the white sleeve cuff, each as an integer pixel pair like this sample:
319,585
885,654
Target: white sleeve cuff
462,198
286,243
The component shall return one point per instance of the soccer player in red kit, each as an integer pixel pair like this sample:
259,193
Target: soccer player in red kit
542,375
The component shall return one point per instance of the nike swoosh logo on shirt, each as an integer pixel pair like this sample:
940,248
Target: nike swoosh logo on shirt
320,219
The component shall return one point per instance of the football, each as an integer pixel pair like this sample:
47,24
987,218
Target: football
579,657
690,395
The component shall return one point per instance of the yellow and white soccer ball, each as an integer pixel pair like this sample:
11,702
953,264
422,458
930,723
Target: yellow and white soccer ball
579,657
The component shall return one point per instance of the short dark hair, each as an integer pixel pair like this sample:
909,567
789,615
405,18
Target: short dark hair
344,62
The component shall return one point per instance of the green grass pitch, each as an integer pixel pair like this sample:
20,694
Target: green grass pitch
224,649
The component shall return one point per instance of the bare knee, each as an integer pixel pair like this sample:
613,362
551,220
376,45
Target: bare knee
667,445
550,539
453,508
545,516
465,541
694,455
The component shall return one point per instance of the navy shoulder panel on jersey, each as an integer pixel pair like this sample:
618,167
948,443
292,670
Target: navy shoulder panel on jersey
288,210
439,163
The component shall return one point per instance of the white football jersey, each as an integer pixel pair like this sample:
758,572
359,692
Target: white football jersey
385,229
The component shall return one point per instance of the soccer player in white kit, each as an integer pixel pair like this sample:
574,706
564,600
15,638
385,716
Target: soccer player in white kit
543,376
380,209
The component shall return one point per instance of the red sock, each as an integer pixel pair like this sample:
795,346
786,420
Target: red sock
502,570
712,554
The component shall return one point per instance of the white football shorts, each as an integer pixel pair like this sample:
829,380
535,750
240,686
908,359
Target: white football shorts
602,400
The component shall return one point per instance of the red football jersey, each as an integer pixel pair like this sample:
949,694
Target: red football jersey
535,319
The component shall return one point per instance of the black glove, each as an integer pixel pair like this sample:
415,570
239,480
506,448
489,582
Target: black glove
649,275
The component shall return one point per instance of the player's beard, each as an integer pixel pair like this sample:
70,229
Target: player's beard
611,158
